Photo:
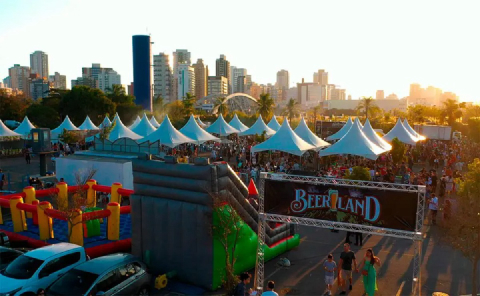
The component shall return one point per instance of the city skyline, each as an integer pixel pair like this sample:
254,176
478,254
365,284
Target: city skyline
374,42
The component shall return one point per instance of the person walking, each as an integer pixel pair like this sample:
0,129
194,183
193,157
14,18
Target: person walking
347,257
270,291
433,208
27,156
2,179
241,288
330,267
358,239
369,272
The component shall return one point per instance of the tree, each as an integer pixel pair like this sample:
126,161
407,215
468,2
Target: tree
118,96
159,106
358,173
265,106
188,104
365,104
221,106
398,150
416,113
452,111
176,113
462,229
13,107
291,109
43,116
106,130
70,137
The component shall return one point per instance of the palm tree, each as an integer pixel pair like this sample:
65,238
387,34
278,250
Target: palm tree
221,106
116,90
365,104
265,106
452,111
159,105
291,110
188,102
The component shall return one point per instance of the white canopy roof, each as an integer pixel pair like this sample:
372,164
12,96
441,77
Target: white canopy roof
154,122
134,124
399,132
342,132
166,134
192,130
273,124
105,122
221,127
355,143
6,132
412,131
285,140
121,131
372,135
200,123
144,127
66,124
88,125
237,124
308,136
25,127
258,128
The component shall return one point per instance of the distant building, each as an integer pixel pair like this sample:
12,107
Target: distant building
315,77
6,81
186,81
180,56
39,87
162,77
142,70
310,94
283,80
380,95
222,68
104,78
385,104
217,85
430,96
349,97
239,80
201,79
322,77
58,81
39,64
391,97
86,81
107,79
338,94
19,78
248,83
255,90
130,90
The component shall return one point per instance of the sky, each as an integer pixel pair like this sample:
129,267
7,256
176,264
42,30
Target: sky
364,45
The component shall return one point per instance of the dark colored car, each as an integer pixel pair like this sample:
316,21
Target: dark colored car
7,255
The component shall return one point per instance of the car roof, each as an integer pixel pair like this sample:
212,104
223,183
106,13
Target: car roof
51,250
5,249
102,264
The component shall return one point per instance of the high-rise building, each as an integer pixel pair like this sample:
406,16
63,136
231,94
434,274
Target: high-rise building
201,79
217,85
255,90
322,77
238,82
222,68
315,77
7,82
105,77
39,86
248,83
283,79
86,81
180,56
309,94
19,78
130,89
186,81
392,97
58,81
380,95
39,63
338,94
162,77
142,70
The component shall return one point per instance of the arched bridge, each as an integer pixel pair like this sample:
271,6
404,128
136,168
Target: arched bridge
235,102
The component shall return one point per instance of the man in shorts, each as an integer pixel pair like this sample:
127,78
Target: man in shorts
347,257
330,267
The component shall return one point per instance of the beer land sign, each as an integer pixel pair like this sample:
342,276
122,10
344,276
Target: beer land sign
356,205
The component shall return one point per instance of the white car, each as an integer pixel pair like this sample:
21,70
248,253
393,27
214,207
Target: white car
39,268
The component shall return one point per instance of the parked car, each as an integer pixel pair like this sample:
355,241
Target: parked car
39,268
116,274
7,255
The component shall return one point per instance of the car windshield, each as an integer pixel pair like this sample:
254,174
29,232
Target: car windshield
8,256
74,282
22,268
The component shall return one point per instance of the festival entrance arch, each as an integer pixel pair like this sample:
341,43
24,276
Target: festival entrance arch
385,209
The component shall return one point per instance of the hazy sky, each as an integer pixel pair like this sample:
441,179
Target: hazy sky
364,45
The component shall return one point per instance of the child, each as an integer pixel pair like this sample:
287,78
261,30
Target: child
330,267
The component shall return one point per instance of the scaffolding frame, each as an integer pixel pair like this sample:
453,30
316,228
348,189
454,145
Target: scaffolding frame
416,236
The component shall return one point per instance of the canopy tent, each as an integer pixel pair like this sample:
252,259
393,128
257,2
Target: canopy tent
412,131
166,134
399,132
154,122
66,125
88,125
200,123
144,127
192,130
308,136
6,132
258,128
273,124
359,122
121,131
372,135
237,124
342,132
221,127
106,122
355,143
134,124
285,140
24,128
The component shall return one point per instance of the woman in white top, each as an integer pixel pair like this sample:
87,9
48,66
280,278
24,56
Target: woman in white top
449,185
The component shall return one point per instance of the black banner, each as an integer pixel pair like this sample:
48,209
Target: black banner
374,207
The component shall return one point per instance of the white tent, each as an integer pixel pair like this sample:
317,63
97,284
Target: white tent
144,127
359,122
166,134
258,128
24,128
106,122
134,124
372,135
355,143
88,125
399,132
273,124
121,131
412,131
192,130
286,140
66,124
154,122
6,132
308,136
342,132
200,123
221,127
237,124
